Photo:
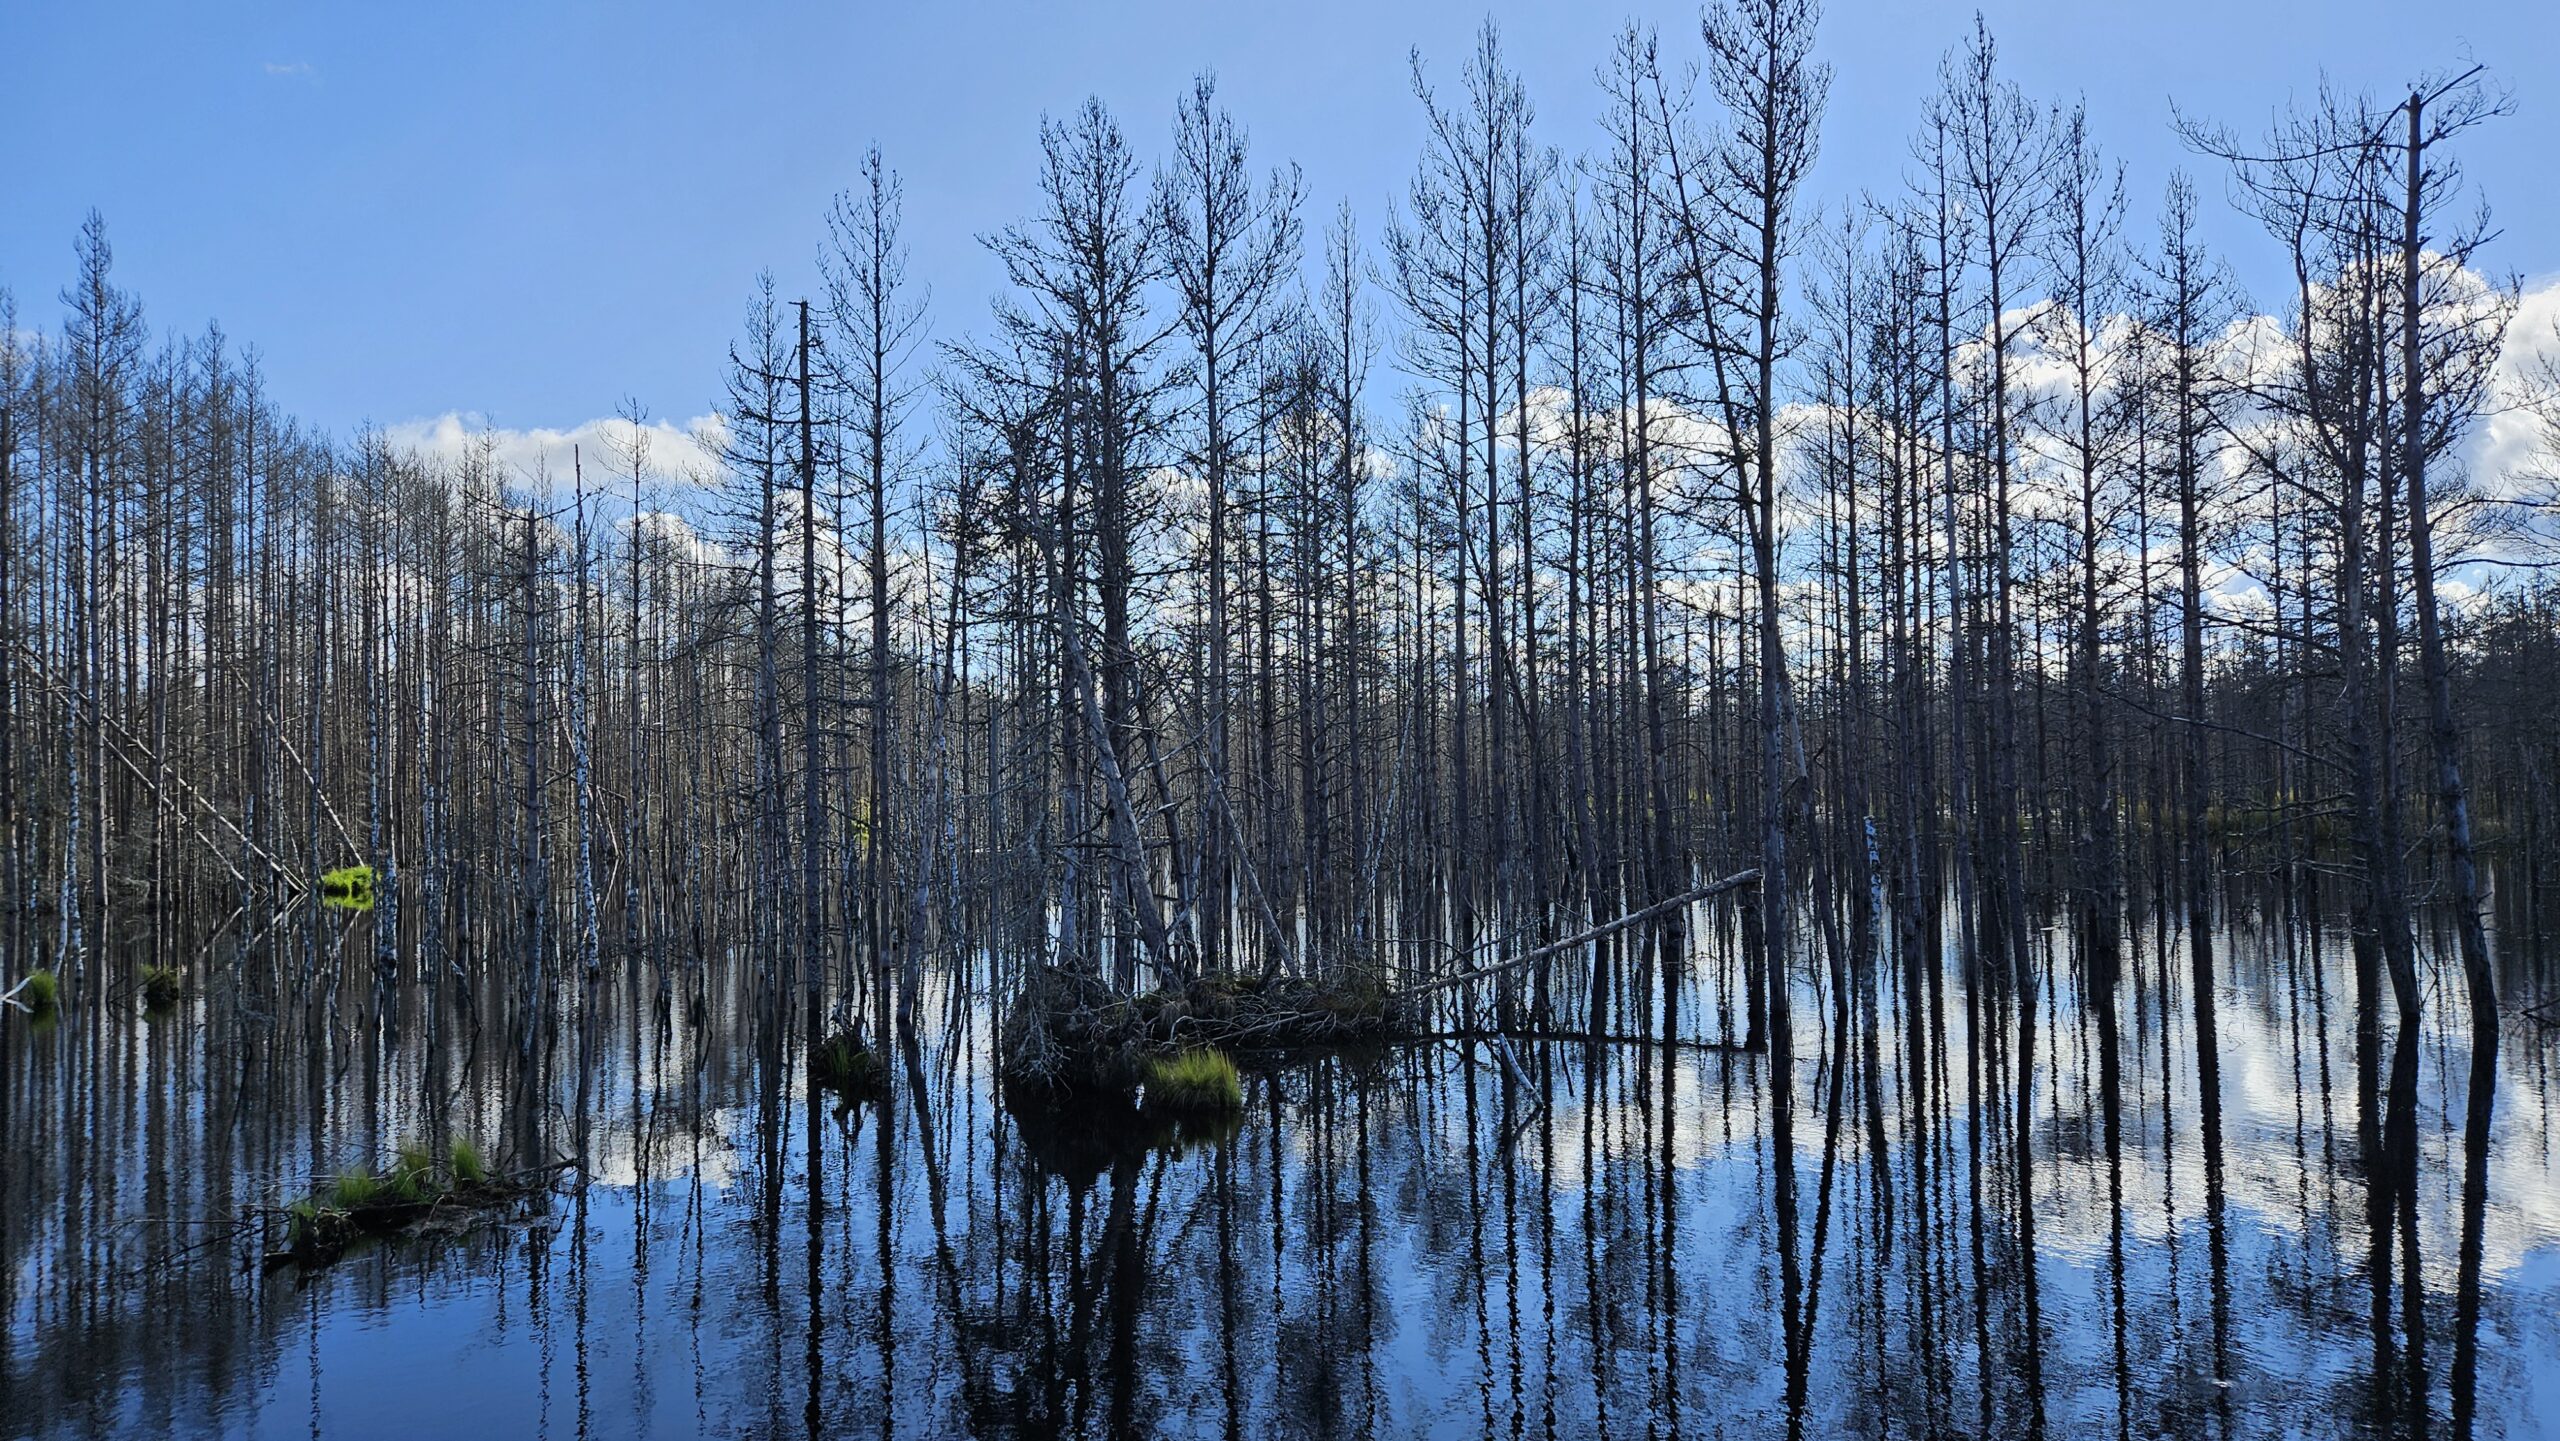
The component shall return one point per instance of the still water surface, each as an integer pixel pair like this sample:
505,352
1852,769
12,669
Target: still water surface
1417,1240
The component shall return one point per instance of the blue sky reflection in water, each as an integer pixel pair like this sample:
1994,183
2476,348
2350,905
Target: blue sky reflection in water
1393,1242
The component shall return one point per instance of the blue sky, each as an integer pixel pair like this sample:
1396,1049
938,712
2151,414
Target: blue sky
528,211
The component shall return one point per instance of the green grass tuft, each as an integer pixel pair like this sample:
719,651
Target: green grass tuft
413,1174
360,1201
161,986
1201,1081
844,1065
355,1190
42,992
348,888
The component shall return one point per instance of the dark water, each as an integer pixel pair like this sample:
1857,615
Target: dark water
1422,1240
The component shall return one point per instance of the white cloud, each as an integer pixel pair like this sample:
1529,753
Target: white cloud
300,68
676,458
2509,447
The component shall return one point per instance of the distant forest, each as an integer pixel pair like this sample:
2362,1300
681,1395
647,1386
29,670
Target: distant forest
1964,562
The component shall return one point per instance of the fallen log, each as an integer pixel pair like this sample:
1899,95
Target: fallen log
1735,881
1572,1036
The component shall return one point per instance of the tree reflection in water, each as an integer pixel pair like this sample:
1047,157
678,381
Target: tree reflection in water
1978,1207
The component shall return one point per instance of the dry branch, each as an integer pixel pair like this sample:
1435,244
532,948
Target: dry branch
1713,888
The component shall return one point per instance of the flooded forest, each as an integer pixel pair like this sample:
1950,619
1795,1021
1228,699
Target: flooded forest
1612,798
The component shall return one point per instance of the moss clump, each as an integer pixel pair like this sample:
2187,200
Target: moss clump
842,1064
40,991
161,987
465,1165
1199,1082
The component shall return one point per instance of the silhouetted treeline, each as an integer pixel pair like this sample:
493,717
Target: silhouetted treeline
1376,605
